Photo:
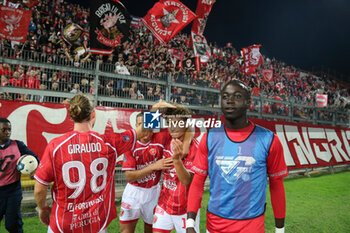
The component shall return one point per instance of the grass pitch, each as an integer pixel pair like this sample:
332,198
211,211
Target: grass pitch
314,205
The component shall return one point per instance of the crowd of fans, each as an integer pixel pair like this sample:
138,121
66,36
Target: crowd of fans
142,55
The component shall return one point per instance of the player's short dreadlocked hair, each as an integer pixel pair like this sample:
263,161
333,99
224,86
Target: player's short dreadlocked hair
4,120
239,83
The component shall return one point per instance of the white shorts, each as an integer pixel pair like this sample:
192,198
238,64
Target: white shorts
137,201
163,222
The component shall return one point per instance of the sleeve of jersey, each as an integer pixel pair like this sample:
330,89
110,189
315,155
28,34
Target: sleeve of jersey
125,141
129,163
44,172
195,193
200,163
278,197
276,166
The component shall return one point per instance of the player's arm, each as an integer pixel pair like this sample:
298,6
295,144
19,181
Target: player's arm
133,175
200,167
184,176
24,150
44,175
164,163
277,169
278,202
194,201
161,105
40,192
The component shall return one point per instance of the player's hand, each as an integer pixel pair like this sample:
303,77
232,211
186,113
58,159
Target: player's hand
161,104
163,164
177,147
44,215
31,175
190,230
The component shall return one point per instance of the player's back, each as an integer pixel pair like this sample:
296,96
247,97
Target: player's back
83,191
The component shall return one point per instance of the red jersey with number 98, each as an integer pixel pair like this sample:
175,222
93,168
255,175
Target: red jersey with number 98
81,167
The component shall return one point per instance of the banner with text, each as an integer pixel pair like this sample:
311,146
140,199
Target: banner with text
304,145
14,23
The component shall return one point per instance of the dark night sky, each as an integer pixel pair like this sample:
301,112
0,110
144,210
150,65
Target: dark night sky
310,34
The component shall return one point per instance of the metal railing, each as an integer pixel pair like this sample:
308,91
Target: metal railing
139,90
57,83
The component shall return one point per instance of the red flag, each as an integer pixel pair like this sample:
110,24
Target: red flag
322,100
267,75
31,3
198,63
202,12
200,47
177,53
167,18
14,23
252,58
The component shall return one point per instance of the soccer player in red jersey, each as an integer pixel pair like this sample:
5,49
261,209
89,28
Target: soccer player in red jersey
143,168
81,166
171,210
238,157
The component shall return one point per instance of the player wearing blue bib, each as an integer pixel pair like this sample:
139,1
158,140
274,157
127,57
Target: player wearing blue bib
238,157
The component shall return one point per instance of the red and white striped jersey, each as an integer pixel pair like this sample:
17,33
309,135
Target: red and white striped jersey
173,196
144,155
81,167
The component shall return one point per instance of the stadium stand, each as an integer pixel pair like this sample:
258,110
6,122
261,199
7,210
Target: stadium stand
143,56
46,68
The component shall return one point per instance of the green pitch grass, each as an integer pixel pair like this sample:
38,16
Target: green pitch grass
318,204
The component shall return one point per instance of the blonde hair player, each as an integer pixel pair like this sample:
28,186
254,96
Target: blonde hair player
81,164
